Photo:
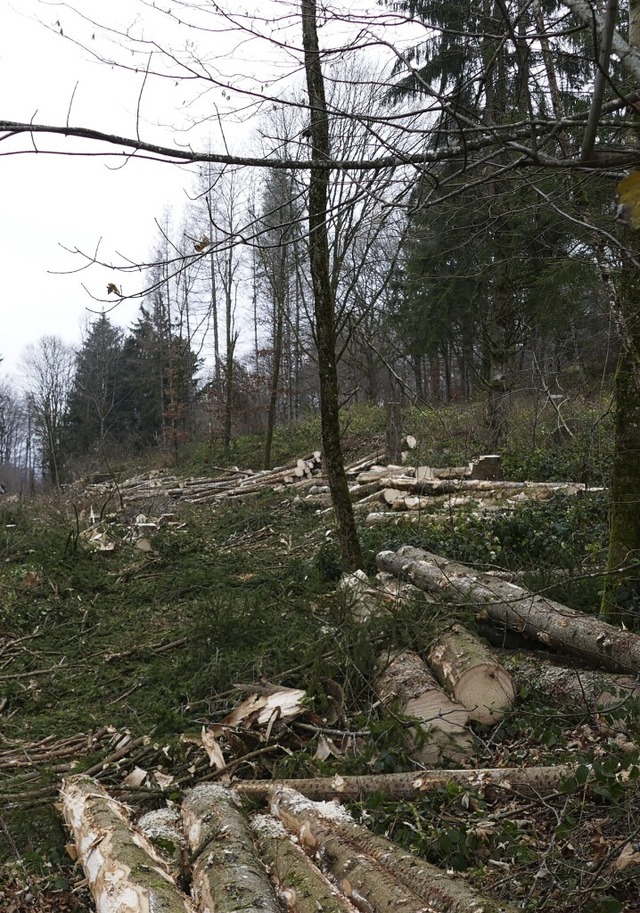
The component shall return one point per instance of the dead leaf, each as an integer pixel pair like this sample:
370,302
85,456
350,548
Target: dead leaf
326,748
163,780
630,855
112,289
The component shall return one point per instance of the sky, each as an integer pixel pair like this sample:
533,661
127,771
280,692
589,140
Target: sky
53,205
49,203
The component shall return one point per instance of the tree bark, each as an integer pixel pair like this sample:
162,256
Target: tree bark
324,305
583,690
373,868
406,686
125,873
526,781
472,675
299,883
554,624
227,874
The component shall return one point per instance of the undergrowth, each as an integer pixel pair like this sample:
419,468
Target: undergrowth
163,642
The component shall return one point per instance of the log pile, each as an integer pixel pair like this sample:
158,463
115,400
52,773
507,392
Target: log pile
231,483
304,855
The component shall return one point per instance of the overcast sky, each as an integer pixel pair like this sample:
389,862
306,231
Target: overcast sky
54,204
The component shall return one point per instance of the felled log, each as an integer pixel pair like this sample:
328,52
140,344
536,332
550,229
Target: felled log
124,871
299,883
580,689
163,827
552,623
472,675
524,781
405,685
227,873
384,518
441,486
374,869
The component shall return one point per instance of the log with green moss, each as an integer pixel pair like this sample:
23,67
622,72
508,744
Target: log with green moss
228,875
300,883
124,871
376,871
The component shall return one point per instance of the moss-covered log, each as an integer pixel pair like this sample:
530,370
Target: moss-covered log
228,876
124,871
373,868
300,883
552,623
584,690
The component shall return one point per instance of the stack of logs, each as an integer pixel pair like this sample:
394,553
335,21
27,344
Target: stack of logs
231,483
307,853
208,856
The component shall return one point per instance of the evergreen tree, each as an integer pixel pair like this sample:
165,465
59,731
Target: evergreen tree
95,420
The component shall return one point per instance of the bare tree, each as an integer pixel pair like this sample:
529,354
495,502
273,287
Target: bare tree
48,373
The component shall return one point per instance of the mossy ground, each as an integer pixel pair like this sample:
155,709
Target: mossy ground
157,643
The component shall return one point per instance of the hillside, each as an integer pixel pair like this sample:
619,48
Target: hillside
130,664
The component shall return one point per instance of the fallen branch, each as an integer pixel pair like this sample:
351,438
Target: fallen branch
523,781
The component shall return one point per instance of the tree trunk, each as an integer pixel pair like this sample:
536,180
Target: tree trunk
227,874
125,873
299,883
526,781
375,869
583,690
406,686
325,329
472,675
621,594
555,625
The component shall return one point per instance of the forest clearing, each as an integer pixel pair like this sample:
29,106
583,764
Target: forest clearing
163,671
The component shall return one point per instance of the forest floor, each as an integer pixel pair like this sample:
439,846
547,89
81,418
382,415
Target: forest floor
113,663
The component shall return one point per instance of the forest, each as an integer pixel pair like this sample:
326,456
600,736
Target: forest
348,516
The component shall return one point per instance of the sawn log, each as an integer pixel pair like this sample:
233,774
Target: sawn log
124,871
372,869
552,623
472,675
